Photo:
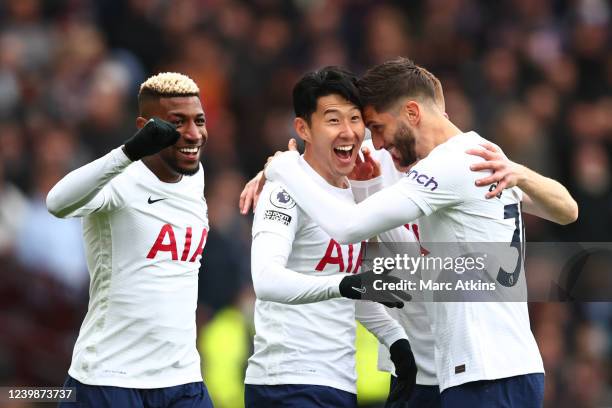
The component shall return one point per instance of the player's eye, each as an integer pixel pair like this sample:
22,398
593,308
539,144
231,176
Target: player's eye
177,122
200,122
356,118
334,121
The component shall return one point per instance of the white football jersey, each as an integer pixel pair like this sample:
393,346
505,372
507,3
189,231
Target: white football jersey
474,340
311,343
144,239
413,316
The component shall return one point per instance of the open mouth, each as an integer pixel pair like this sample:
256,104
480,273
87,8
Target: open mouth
190,152
344,152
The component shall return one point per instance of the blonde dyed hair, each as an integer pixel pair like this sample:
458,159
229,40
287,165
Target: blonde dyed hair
164,85
169,84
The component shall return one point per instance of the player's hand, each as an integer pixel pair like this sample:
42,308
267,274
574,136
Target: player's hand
405,370
360,286
291,146
280,159
252,189
250,193
155,136
365,169
506,173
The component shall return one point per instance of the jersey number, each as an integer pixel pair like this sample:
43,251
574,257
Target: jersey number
509,279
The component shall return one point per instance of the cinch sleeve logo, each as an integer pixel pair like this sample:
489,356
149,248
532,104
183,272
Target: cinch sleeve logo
423,179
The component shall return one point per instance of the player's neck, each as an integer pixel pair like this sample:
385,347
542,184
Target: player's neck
323,171
443,130
161,169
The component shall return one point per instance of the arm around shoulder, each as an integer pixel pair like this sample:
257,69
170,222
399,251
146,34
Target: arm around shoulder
344,221
547,198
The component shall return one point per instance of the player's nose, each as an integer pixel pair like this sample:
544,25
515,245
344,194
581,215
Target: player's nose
348,130
192,134
378,141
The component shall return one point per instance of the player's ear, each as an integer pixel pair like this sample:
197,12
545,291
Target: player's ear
140,122
412,112
302,129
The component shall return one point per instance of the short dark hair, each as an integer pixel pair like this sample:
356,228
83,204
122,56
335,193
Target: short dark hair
327,81
383,85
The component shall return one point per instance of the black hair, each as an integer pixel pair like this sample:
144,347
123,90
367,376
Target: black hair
327,81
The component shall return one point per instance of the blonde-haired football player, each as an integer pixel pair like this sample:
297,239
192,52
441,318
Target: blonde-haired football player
145,226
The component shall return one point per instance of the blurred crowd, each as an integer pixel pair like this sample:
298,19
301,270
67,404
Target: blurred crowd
533,76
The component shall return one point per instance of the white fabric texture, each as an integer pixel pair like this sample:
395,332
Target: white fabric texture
300,337
413,316
144,239
473,341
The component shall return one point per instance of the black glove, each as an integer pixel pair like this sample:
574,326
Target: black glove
405,370
361,287
156,135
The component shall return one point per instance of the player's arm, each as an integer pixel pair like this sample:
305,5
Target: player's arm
363,189
375,318
274,282
250,193
80,192
345,222
547,198
543,196
388,331
274,228
81,187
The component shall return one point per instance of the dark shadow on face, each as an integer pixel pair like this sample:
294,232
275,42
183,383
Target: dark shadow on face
404,142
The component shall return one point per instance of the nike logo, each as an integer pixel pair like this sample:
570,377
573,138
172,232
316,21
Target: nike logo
360,290
154,201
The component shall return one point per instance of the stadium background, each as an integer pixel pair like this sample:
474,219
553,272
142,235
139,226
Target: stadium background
533,76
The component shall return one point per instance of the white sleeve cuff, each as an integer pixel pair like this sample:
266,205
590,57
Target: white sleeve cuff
120,156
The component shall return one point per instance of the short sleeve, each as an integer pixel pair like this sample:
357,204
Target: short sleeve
276,212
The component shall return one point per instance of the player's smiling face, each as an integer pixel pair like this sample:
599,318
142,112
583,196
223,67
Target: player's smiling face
391,133
334,137
186,113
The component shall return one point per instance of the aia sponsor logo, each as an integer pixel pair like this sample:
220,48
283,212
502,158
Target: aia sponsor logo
166,242
335,256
